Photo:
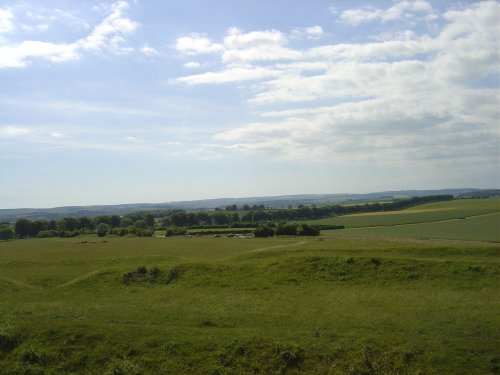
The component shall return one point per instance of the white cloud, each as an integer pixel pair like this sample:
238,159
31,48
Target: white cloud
229,75
241,48
268,45
192,65
56,135
312,32
113,25
106,35
196,44
14,131
406,9
6,18
149,51
406,96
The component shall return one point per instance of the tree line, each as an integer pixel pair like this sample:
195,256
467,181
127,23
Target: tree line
144,223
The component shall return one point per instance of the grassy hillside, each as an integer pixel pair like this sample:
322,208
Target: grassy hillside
423,213
480,228
225,306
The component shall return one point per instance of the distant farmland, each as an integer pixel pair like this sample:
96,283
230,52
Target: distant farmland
466,219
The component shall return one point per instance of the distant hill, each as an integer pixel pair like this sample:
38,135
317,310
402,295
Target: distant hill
210,204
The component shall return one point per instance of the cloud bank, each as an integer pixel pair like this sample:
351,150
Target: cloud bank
403,96
108,36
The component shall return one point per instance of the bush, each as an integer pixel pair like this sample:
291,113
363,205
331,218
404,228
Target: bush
31,356
6,233
102,229
173,274
263,231
9,337
123,367
308,230
175,231
287,229
48,233
289,356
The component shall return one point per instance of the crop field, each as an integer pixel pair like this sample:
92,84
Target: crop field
343,305
480,228
430,212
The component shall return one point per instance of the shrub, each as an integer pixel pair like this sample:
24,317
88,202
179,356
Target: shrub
154,272
9,337
263,231
289,356
173,274
6,233
102,229
123,367
175,231
308,230
287,229
31,356
48,233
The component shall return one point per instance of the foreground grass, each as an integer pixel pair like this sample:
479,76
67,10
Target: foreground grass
225,306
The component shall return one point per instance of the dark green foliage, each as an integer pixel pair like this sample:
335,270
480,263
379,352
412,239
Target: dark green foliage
308,230
287,229
263,231
102,229
154,272
140,224
6,233
154,275
173,274
9,337
175,231
289,356
137,276
31,356
23,228
123,367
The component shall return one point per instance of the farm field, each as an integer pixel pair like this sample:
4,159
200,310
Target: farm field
343,305
419,214
480,228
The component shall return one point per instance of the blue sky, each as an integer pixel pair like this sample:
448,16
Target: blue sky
106,102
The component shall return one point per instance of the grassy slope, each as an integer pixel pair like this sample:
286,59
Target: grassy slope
479,228
419,214
292,305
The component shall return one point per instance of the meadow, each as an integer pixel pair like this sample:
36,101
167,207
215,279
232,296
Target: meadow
431,212
204,305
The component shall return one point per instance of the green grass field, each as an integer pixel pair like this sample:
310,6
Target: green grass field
343,305
419,214
480,228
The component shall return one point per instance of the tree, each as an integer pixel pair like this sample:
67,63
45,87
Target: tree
287,229
102,229
308,230
127,222
150,220
23,228
140,224
84,223
114,221
175,231
6,233
263,231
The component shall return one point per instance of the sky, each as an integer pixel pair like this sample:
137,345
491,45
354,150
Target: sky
108,102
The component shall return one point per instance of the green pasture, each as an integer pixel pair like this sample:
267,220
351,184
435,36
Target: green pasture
480,228
455,209
343,305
